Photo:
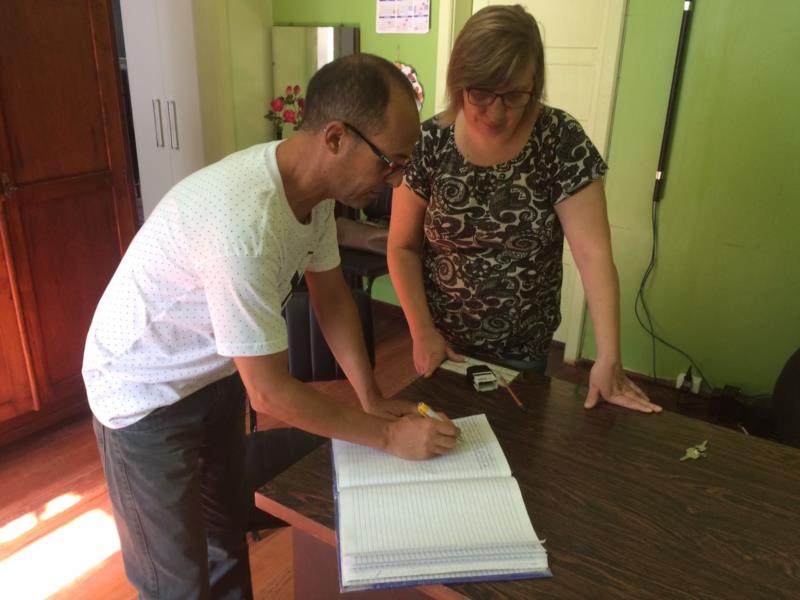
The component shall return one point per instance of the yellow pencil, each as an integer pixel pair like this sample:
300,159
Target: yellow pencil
427,411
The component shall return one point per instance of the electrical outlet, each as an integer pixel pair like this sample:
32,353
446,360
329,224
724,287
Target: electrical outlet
679,380
694,383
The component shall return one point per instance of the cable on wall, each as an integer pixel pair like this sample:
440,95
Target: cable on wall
666,138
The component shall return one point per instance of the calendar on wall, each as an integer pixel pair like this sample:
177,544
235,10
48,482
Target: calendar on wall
403,16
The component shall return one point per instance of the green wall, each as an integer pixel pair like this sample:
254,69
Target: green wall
212,46
234,54
250,24
417,50
726,288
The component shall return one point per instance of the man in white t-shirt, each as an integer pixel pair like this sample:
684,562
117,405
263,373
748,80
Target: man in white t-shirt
198,297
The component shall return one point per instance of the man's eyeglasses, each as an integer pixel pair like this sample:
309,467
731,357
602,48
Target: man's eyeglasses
392,166
513,99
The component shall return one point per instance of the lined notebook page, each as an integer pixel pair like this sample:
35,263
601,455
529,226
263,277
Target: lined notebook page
477,454
437,527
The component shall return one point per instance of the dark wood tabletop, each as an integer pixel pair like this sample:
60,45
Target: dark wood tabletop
622,515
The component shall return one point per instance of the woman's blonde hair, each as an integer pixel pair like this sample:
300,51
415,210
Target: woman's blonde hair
496,45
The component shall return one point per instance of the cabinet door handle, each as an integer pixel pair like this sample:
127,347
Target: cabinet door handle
172,114
157,123
8,187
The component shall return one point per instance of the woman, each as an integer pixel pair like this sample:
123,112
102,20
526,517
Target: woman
477,231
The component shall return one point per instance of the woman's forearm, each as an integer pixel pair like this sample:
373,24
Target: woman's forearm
601,284
405,268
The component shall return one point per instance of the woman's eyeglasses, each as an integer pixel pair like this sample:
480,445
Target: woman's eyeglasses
392,166
512,99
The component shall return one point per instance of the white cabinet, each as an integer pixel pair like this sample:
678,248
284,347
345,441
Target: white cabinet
162,72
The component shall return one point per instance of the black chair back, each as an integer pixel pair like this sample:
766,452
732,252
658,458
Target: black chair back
310,359
786,402
381,207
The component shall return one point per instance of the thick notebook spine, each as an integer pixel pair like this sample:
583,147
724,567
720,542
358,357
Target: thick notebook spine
336,519
446,580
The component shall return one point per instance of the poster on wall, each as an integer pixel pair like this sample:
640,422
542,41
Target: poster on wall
403,16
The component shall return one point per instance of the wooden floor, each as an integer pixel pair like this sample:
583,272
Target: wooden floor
56,534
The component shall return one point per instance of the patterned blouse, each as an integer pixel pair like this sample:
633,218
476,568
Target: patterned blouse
493,243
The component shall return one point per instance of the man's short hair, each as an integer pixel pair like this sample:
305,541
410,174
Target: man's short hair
355,89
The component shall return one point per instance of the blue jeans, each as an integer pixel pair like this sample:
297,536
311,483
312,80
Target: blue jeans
177,485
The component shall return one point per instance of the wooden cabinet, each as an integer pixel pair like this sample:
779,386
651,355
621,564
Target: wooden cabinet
67,210
16,394
165,104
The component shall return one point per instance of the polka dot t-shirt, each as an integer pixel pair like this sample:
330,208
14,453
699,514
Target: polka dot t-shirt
204,280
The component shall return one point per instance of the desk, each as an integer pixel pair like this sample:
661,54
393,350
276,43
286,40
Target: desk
623,517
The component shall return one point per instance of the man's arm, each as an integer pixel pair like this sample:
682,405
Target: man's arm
274,391
341,325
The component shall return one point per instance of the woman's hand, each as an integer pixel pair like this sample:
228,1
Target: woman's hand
430,349
608,380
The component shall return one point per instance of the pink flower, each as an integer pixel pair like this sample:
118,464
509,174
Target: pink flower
301,103
296,90
289,116
277,104
288,90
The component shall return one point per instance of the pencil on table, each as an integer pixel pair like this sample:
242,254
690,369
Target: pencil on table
507,385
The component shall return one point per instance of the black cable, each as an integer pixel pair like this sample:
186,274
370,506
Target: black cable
677,70
657,189
640,294
640,298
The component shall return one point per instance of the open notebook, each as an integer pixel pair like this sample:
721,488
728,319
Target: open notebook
458,517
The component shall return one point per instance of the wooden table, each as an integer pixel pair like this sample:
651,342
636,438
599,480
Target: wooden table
622,515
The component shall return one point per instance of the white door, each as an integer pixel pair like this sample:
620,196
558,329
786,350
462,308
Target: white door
148,106
582,40
165,100
181,90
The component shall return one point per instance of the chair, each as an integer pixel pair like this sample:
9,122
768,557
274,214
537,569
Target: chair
358,262
310,359
362,264
786,402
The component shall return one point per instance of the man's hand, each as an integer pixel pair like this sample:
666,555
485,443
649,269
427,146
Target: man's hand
608,380
416,437
430,349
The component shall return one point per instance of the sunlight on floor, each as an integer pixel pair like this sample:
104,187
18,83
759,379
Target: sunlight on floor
55,560
21,525
17,527
60,504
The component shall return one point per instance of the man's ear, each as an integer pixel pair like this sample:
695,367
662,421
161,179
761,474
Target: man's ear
333,134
